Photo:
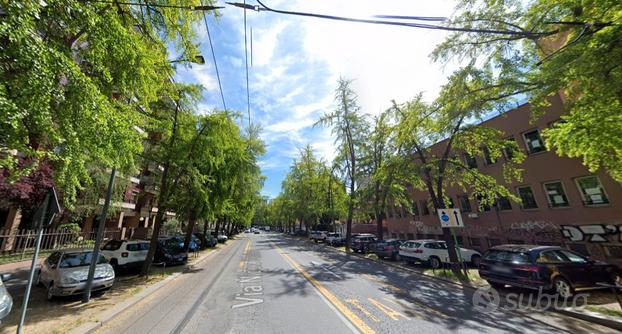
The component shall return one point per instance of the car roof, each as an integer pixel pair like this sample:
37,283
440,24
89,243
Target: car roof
522,248
76,250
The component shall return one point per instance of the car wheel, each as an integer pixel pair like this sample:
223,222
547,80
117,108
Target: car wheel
475,260
435,263
394,257
50,293
562,287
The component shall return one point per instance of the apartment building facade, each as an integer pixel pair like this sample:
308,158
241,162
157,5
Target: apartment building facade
562,202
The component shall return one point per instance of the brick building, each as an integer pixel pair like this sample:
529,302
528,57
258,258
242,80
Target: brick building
563,203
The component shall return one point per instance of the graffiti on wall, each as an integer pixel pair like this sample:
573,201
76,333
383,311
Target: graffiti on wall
533,225
591,233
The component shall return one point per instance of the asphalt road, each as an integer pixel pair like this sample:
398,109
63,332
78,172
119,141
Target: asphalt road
271,284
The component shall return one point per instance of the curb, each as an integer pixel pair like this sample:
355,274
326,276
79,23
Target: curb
110,314
592,317
585,316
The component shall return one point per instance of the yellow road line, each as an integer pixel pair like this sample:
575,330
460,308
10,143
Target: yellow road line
360,307
246,249
401,291
391,313
354,319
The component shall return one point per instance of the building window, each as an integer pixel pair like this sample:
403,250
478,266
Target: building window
470,160
503,204
425,210
509,149
556,194
528,200
411,236
465,204
475,242
482,207
415,208
487,158
534,142
592,192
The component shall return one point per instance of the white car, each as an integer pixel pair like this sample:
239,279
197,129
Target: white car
126,254
334,238
65,273
434,252
318,236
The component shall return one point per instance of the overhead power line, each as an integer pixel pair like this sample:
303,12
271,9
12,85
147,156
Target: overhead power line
263,7
211,46
248,95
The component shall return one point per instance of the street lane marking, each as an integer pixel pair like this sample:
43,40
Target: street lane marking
391,313
243,261
353,318
360,307
402,292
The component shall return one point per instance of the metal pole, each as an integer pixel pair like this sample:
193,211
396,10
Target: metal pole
33,264
98,240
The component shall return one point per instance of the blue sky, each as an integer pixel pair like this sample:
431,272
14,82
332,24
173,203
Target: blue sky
296,64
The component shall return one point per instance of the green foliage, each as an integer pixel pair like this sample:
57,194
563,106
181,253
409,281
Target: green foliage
311,193
551,47
76,77
172,226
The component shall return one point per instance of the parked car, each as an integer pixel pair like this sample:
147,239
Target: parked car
388,248
435,253
301,233
256,232
126,254
208,240
65,273
170,252
6,302
222,238
193,246
363,243
318,236
334,239
547,267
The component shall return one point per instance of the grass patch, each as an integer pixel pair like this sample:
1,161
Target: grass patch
473,275
604,310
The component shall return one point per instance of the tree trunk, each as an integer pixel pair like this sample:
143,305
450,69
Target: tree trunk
192,218
153,244
379,219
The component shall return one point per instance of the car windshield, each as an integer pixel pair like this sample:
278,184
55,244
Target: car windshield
71,260
113,245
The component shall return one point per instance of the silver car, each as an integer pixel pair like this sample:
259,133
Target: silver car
6,302
65,273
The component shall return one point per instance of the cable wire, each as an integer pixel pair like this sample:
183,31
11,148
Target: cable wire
209,37
263,7
248,95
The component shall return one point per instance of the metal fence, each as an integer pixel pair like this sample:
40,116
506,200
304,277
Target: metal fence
19,245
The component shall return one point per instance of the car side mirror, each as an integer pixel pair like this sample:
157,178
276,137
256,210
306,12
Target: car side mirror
6,277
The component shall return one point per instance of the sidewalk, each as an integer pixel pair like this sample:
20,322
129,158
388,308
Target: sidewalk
67,314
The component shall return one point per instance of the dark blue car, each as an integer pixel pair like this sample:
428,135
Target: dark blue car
546,267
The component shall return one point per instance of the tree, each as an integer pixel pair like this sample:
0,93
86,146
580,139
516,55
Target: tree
548,47
436,136
78,76
349,129
384,169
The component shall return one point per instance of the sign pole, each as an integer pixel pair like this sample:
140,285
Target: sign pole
33,263
98,240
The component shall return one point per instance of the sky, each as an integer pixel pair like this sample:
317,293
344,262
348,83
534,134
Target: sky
297,61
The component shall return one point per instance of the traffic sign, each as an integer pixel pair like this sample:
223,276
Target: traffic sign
450,217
